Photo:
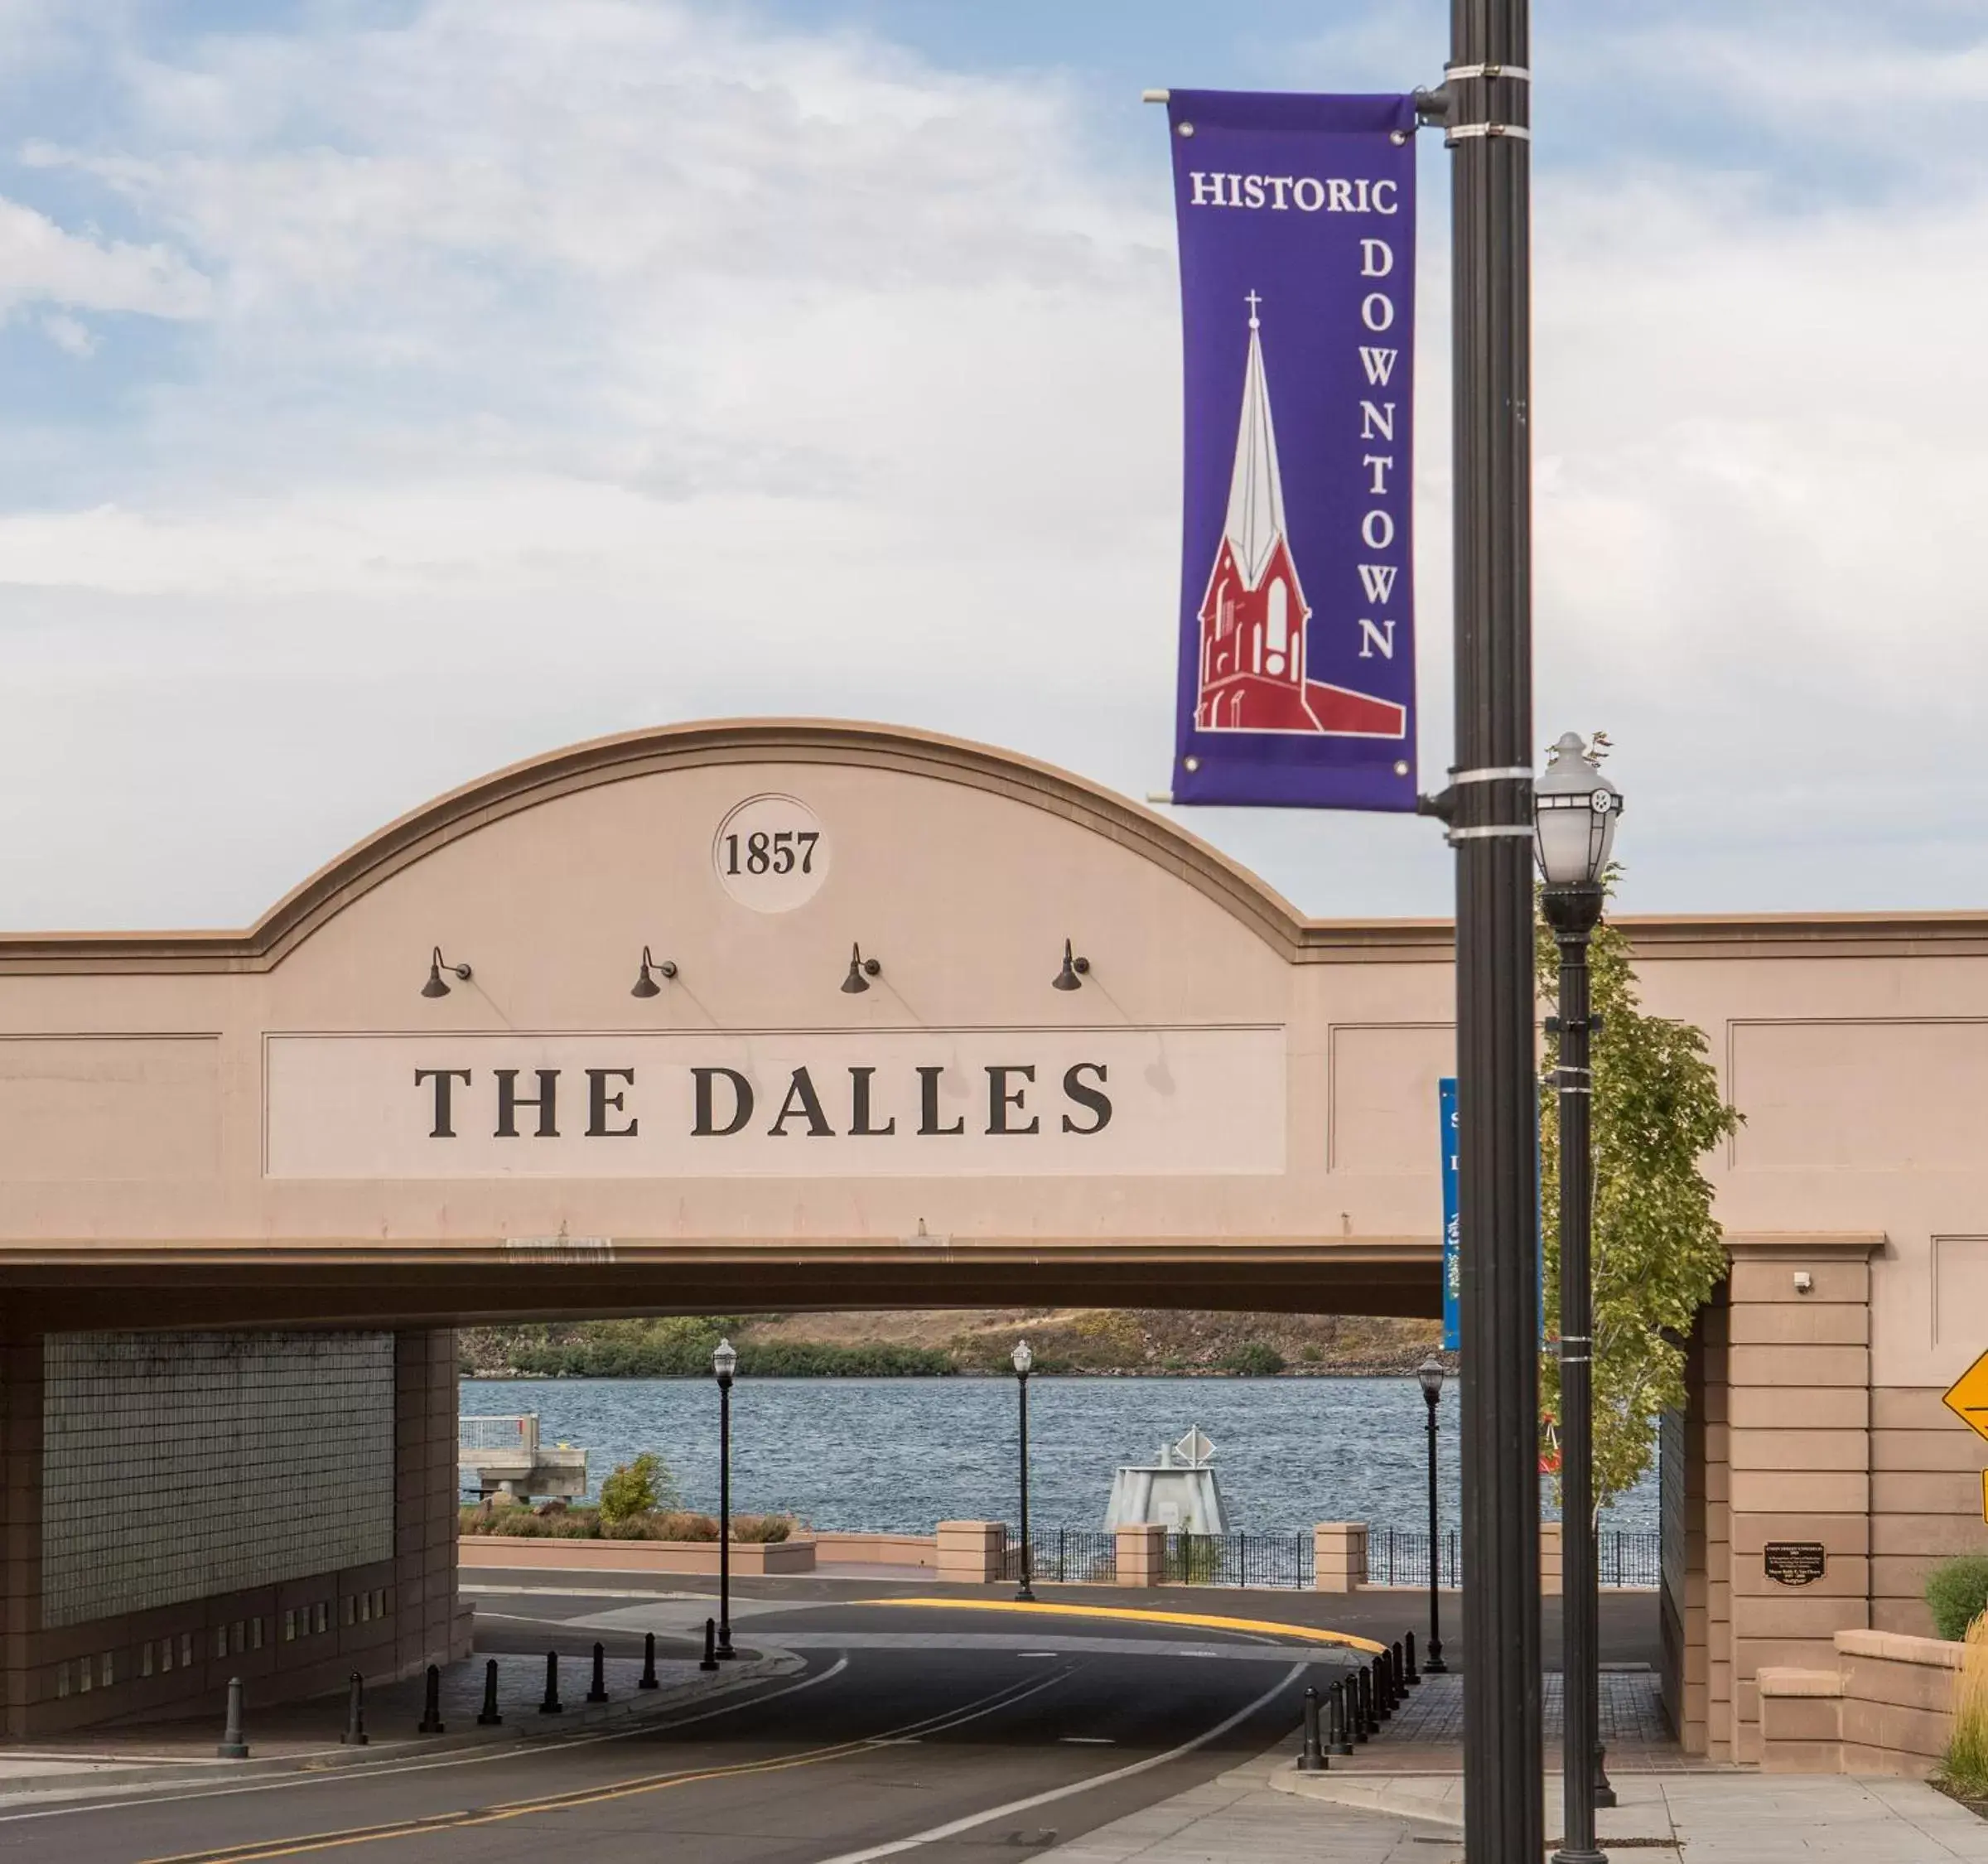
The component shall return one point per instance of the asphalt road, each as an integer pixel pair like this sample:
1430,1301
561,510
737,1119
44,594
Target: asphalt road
942,1735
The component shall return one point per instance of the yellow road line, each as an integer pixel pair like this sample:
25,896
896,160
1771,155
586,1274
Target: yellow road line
1203,1620
259,1849
492,1815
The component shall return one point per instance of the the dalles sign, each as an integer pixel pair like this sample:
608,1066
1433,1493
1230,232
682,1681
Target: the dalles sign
1020,1102
1296,676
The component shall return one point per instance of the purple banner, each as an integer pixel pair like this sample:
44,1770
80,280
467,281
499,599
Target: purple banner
1297,291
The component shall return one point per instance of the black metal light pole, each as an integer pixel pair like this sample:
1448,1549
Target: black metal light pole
1576,808
1482,105
724,1362
1430,1374
1024,1359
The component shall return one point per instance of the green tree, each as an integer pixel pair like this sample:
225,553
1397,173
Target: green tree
1657,1252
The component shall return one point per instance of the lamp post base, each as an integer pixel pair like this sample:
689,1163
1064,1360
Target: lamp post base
1580,1856
1605,1790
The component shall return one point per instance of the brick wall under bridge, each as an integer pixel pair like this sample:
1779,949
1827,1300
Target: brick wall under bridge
180,1509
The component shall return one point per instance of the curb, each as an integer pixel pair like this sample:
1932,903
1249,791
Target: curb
196,1774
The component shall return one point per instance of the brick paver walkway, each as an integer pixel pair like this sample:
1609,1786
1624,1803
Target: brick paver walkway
1426,1732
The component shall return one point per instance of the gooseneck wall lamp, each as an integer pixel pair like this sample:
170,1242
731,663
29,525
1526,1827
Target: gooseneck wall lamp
435,987
645,984
861,970
1074,970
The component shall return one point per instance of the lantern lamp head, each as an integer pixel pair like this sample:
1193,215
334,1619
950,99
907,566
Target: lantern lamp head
1430,1375
1574,812
725,1361
1024,1357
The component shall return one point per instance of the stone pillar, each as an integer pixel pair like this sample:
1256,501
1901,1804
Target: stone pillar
1549,1559
428,1627
1798,1443
1684,1621
1338,1556
22,1685
969,1551
1142,1548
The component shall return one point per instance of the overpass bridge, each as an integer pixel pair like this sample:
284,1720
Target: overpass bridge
777,1016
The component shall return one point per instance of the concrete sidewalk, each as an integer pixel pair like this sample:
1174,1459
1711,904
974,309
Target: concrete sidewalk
1267,1812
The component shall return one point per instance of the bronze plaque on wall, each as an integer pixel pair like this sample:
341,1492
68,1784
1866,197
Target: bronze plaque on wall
1795,1563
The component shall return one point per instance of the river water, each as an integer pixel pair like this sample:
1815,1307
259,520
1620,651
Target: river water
897,1455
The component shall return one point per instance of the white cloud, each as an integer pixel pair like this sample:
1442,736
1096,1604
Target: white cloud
560,369
70,335
40,263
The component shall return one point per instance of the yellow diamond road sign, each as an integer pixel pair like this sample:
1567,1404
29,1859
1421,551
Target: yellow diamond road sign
1968,1399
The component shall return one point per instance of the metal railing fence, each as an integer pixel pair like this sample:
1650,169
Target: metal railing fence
1400,1557
1269,1560
1070,1555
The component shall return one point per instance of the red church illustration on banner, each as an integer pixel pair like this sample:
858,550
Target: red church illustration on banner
1253,615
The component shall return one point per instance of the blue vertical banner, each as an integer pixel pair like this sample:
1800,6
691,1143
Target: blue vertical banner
1296,673
1452,1284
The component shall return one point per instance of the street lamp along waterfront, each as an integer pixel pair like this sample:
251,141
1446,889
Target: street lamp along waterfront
1574,809
1024,1357
1430,1375
724,1362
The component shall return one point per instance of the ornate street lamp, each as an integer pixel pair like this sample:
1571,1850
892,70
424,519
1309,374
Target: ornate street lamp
1429,1374
724,1362
1575,807
1024,1359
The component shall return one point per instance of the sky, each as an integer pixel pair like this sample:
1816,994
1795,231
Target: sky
393,390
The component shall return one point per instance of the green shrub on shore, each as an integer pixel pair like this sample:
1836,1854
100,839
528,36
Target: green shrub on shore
674,1356
1254,1360
1956,1591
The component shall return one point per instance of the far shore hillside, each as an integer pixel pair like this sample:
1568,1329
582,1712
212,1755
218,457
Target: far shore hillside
927,1343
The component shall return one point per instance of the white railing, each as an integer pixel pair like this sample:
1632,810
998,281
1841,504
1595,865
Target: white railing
519,1436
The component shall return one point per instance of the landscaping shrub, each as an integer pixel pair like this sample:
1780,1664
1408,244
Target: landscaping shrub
761,1527
1957,1592
1966,1767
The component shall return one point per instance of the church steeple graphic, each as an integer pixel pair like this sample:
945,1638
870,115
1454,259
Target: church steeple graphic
1255,650
1256,486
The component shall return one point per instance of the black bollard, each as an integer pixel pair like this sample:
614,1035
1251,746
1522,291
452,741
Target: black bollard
552,1705
597,1693
232,1747
431,1708
649,1664
1409,1676
488,1717
355,1713
1377,1693
1397,1680
1312,1759
711,1646
1364,1727
1339,1729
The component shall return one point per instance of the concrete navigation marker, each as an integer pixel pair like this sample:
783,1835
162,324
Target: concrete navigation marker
1968,1397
